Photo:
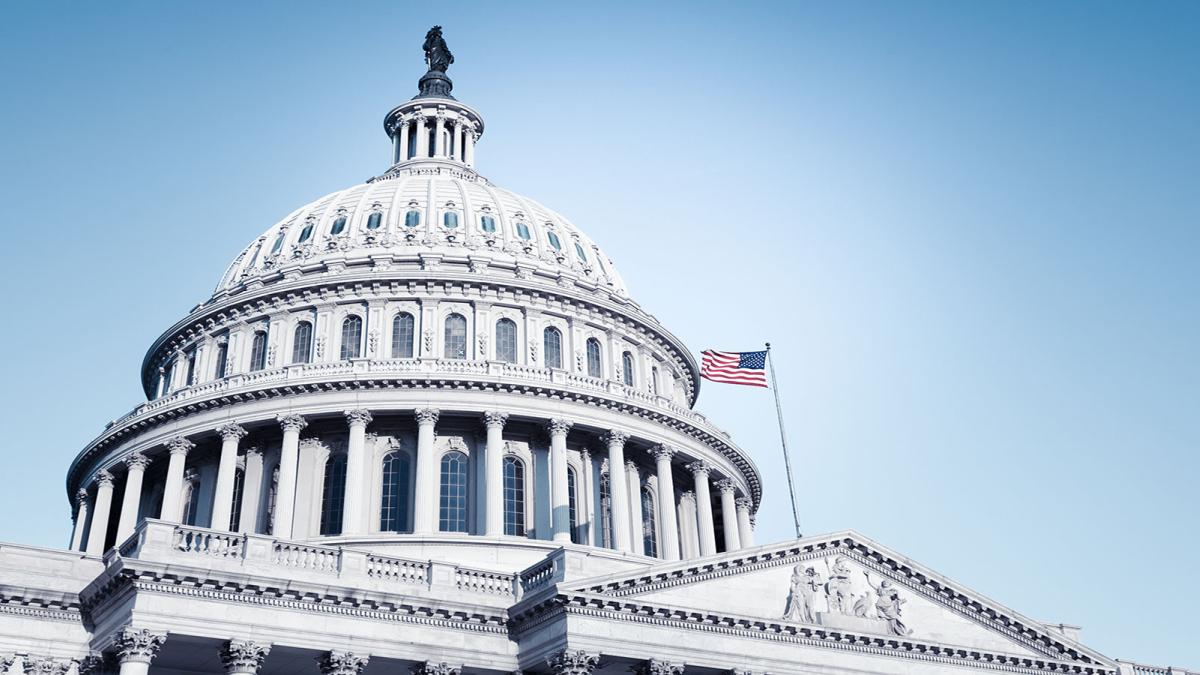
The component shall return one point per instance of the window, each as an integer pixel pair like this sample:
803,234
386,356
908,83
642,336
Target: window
455,346
487,223
627,369
452,516
506,341
514,497
168,371
580,254
654,380
278,243
339,225
333,495
272,493
235,515
523,231
306,233
412,218
594,367
450,220
302,343
573,515
606,533
552,346
222,358
374,220
393,512
554,241
403,325
191,498
351,338
649,535
191,369
258,351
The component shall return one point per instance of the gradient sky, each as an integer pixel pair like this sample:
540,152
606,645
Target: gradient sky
971,231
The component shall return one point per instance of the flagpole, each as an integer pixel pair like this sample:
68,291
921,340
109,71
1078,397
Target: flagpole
787,460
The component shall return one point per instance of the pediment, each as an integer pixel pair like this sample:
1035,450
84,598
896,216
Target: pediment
847,584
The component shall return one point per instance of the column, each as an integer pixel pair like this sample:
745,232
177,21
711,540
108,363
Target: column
243,657
635,507
689,542
222,509
436,668
402,151
289,458
588,510
745,528
136,649
422,137
251,489
425,496
704,514
172,506
573,662
458,141
354,510
131,502
618,489
81,514
669,536
729,522
439,137
96,536
342,663
658,667
469,147
493,459
560,507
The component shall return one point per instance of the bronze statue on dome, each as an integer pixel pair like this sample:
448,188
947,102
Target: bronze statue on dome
437,54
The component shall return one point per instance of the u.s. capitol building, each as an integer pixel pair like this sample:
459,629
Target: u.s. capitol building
421,426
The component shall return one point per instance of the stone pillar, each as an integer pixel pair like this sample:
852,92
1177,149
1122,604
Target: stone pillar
402,142
636,533
243,657
587,509
341,663
136,649
439,137
458,141
289,458
81,514
425,497
493,459
354,511
131,502
436,668
729,521
422,137
745,528
222,508
560,506
172,503
569,662
689,541
658,667
96,536
668,521
469,147
704,514
618,489
251,491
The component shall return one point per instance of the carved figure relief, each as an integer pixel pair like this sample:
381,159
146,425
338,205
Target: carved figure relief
801,602
839,587
813,599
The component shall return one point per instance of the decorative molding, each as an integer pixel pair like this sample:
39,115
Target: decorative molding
341,663
494,419
48,666
253,451
81,496
358,416
688,496
558,426
232,431
180,446
292,422
576,662
427,416
726,485
663,451
658,667
104,479
436,668
700,468
138,646
744,503
243,656
614,437
95,663
136,461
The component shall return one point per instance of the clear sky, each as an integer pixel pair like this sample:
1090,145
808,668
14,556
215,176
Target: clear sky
971,231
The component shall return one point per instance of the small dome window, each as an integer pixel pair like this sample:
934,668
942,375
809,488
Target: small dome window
412,218
523,231
554,241
450,220
339,225
306,233
579,252
487,223
278,243
374,221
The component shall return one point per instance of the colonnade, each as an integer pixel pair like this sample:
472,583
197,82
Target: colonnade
411,138
684,530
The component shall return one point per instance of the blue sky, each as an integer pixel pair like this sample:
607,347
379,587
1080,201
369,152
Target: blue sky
970,230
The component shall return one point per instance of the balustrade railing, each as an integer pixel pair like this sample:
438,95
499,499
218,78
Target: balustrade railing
209,542
1133,668
537,576
397,569
478,581
319,558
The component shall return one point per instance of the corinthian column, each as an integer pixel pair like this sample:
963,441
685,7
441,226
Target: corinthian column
689,541
493,510
131,502
560,506
422,137
666,502
243,657
439,138
436,668
172,506
81,514
745,528
618,489
658,667
136,649
289,458
568,662
341,663
636,521
704,515
99,531
354,512
222,509
729,521
251,489
469,148
425,495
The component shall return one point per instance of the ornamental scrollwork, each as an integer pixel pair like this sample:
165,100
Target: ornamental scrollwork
700,468
243,655
138,646
435,668
358,417
180,446
663,451
558,426
136,461
292,422
726,485
494,419
341,663
427,415
658,667
614,437
569,662
104,479
744,504
232,431
49,666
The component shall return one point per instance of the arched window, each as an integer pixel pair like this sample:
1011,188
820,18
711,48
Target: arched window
654,380
506,341
523,231
191,369
450,220
351,337
333,495
191,497
374,220
403,326
649,530
239,485
222,359
455,343
487,223
571,505
306,233
339,226
554,241
412,218
258,351
452,516
580,254
514,497
595,368
552,346
278,243
302,343
393,510
627,369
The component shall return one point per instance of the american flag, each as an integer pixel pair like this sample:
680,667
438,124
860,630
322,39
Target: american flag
747,368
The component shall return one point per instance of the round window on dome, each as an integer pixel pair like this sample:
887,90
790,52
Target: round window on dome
412,218
579,252
374,221
523,231
306,233
450,220
339,225
487,223
554,241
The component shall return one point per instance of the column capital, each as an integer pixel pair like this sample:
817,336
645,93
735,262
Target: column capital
81,496
658,667
700,467
744,503
727,485
180,446
688,496
342,663
136,461
104,479
242,656
48,666
310,442
358,417
630,466
427,415
559,426
663,451
232,431
253,451
138,646
435,668
586,455
614,437
95,663
291,422
568,662
494,419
